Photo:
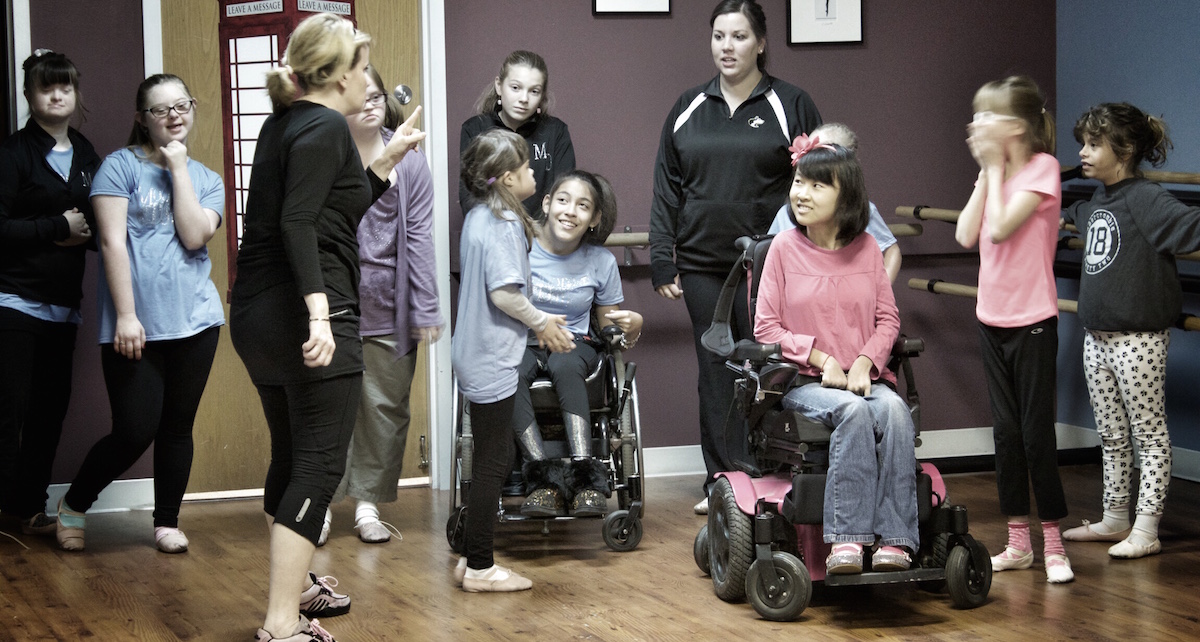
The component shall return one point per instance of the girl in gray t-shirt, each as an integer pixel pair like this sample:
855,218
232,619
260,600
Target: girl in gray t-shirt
489,334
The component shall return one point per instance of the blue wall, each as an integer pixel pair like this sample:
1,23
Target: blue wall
1143,53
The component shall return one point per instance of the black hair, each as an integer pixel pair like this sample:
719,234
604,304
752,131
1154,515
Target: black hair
836,165
604,203
46,68
756,17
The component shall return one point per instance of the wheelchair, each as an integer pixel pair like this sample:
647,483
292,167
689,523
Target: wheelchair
616,443
763,540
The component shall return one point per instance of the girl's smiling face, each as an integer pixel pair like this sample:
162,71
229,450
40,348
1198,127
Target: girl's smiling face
173,126
813,203
569,213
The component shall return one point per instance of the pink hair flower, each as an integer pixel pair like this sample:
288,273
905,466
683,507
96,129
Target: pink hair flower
803,145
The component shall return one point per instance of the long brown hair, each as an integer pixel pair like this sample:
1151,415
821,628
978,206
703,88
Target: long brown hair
604,204
484,161
486,103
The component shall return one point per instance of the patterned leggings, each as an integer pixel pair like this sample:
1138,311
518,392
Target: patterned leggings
1126,374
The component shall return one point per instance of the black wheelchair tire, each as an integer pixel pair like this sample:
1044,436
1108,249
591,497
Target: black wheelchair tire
700,550
622,533
731,542
456,530
792,583
968,586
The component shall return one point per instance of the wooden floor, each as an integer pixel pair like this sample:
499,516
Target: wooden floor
123,589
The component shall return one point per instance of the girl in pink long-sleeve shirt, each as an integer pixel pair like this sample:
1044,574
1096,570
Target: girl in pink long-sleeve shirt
826,299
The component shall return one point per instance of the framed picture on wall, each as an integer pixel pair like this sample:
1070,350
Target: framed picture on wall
604,7
813,21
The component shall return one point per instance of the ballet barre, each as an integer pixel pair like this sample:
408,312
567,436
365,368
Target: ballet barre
1179,178
938,286
642,239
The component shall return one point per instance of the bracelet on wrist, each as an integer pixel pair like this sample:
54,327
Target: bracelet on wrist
318,319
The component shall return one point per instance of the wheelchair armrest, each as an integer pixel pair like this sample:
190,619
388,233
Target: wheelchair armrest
908,346
747,350
611,334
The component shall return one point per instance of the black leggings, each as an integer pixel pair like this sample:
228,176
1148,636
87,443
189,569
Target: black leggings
154,401
1020,368
311,424
722,435
491,433
568,371
35,388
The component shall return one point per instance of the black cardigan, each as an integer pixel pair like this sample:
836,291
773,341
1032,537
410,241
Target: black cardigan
33,198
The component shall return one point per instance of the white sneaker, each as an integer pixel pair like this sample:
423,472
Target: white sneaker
701,507
170,540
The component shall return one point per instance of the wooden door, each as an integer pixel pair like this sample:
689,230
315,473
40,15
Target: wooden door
232,442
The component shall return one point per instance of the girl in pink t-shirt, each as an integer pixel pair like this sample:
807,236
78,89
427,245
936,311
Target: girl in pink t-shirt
1013,216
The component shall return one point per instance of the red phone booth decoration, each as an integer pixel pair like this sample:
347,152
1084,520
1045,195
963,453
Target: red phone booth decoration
253,39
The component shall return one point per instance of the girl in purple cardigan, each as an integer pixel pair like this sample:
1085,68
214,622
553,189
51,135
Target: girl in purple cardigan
826,299
398,300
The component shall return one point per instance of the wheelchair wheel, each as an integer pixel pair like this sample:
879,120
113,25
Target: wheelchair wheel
731,542
967,583
700,550
622,532
781,598
456,530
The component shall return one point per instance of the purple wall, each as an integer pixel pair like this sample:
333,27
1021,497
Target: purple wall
906,89
106,46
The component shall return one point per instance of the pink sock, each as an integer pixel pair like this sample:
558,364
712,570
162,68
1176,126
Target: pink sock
1051,539
1018,536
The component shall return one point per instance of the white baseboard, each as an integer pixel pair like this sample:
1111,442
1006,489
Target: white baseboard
667,461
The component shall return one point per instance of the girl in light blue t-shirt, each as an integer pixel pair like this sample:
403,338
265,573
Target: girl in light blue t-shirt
573,275
160,311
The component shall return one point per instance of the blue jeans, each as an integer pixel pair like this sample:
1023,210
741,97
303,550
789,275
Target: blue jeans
872,484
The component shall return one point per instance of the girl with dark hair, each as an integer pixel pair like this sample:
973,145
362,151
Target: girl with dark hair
399,301
1013,215
494,315
160,313
721,173
519,100
573,274
826,299
1129,297
46,170
294,310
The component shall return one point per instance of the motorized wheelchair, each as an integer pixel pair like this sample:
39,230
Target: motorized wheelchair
763,540
616,442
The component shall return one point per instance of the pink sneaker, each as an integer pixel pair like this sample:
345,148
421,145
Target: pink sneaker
306,632
319,599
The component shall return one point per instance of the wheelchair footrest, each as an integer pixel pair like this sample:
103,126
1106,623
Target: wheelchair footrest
890,577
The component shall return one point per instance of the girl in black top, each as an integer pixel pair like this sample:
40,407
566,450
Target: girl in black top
723,168
294,308
518,101
46,171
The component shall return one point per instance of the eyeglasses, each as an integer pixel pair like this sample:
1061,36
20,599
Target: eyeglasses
374,100
182,107
990,116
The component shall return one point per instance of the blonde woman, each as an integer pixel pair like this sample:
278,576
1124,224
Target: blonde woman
294,308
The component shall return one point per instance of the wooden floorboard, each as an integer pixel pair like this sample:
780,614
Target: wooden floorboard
123,589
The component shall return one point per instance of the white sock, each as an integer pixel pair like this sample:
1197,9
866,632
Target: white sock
366,512
1145,529
1115,520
